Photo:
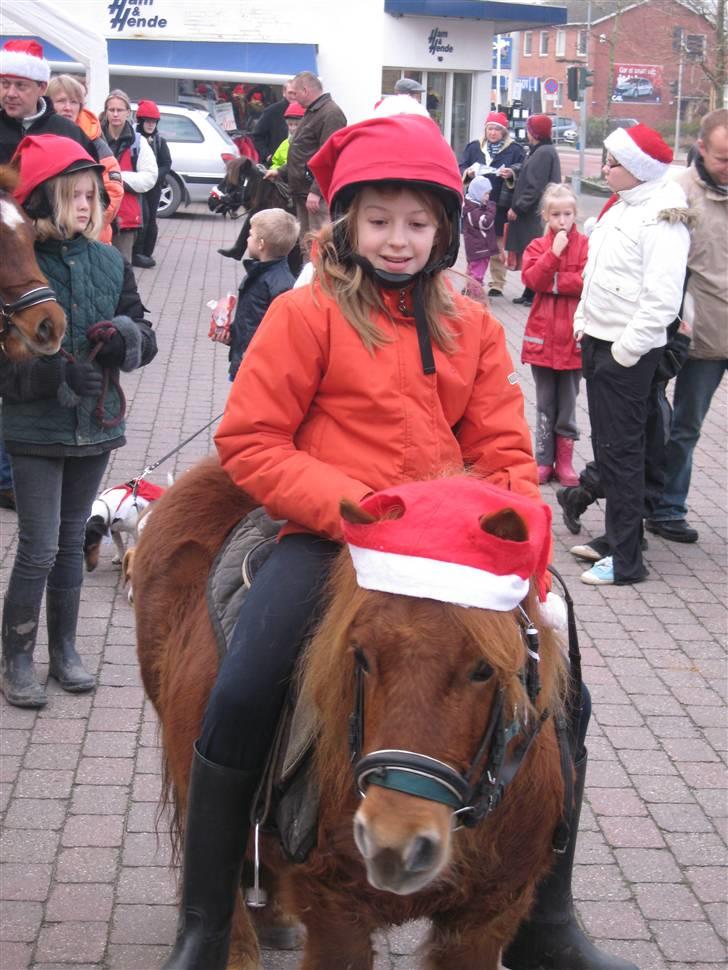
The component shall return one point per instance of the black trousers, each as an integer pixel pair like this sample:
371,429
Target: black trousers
146,238
618,400
282,606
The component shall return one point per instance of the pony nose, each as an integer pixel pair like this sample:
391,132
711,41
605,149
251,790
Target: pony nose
44,331
421,854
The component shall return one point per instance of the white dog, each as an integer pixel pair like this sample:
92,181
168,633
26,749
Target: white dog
115,512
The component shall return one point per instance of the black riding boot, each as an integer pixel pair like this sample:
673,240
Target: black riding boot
62,619
574,501
551,938
17,673
237,249
218,821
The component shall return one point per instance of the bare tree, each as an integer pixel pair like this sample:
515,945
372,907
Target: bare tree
619,6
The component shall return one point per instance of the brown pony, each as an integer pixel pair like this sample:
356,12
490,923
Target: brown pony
430,674
31,321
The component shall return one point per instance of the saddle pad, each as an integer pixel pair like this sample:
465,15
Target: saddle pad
226,588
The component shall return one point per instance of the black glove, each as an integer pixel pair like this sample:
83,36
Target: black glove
113,351
84,379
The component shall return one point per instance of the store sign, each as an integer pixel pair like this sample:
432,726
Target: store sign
134,15
437,43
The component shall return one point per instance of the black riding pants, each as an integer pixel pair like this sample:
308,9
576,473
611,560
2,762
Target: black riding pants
618,407
282,606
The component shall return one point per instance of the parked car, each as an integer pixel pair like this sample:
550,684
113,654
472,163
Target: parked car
615,123
199,148
563,129
631,88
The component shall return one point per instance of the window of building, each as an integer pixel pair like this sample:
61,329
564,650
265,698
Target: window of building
527,43
581,43
560,43
460,129
390,76
543,47
561,95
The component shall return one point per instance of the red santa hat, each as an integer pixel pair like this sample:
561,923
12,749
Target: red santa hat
641,150
434,540
497,118
24,58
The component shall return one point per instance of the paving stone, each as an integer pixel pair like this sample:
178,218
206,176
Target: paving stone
656,899
76,901
55,756
661,788
24,882
696,848
647,865
143,924
86,864
76,942
36,813
93,830
99,800
616,801
147,884
687,941
105,771
708,883
15,956
680,818
614,920
19,921
34,783
26,845
132,957
631,832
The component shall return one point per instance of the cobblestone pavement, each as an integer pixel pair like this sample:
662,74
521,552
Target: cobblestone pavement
84,879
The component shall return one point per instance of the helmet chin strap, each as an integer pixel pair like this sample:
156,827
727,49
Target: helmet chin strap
398,281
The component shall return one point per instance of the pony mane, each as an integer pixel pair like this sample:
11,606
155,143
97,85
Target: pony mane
327,677
8,178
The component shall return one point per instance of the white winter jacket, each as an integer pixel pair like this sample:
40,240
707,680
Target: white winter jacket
633,280
145,177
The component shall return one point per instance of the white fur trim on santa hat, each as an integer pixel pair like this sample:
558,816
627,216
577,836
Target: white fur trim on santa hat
627,152
447,582
24,64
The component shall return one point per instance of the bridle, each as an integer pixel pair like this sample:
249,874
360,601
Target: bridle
476,793
31,298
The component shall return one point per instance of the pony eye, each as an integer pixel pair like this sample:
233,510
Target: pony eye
360,659
483,671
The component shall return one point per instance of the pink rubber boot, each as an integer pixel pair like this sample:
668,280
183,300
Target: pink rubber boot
545,474
564,456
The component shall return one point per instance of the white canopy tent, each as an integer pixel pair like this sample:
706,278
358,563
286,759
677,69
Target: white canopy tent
88,47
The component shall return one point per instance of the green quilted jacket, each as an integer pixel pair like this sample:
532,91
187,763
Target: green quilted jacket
92,284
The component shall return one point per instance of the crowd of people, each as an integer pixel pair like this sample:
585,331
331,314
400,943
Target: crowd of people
375,303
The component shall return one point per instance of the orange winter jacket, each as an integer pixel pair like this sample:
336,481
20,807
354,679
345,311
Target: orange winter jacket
313,417
91,127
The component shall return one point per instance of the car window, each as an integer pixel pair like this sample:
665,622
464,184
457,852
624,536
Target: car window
179,128
221,131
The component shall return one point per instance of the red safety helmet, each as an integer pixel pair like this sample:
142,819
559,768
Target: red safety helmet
147,110
42,157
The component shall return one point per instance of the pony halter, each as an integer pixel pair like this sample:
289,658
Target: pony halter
31,298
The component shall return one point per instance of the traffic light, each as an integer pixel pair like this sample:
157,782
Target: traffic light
572,83
677,39
585,78
695,47
673,88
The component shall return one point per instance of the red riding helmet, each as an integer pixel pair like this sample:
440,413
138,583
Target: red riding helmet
42,157
147,110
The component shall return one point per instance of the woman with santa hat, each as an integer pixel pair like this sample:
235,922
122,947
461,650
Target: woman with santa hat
524,216
496,156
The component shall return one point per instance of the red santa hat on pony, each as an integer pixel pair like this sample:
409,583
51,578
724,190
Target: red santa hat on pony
437,540
24,58
641,150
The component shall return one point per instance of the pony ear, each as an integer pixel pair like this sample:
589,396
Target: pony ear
355,514
505,524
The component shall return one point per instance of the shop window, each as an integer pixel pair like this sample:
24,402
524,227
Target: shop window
461,88
527,43
436,97
561,43
581,43
543,47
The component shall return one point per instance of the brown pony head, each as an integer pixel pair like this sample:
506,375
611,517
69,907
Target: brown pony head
37,329
432,671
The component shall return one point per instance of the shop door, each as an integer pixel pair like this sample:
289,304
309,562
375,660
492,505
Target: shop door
436,86
460,128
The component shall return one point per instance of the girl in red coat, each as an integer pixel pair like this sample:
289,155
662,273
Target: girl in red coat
552,267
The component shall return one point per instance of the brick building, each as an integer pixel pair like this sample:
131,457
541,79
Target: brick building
641,84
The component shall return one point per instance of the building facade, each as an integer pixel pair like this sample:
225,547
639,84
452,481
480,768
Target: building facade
241,53
634,57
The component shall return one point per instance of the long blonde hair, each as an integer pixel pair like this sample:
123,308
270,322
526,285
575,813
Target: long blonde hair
358,295
556,191
61,223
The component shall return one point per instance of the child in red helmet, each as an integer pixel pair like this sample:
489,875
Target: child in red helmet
375,374
147,117
62,415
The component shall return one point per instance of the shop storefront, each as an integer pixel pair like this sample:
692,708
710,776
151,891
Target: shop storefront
240,52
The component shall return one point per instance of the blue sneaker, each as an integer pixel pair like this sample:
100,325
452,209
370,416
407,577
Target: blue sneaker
601,573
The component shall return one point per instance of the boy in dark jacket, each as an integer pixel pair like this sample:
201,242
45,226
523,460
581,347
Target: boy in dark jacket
273,234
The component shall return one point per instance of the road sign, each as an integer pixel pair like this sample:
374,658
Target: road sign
551,85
